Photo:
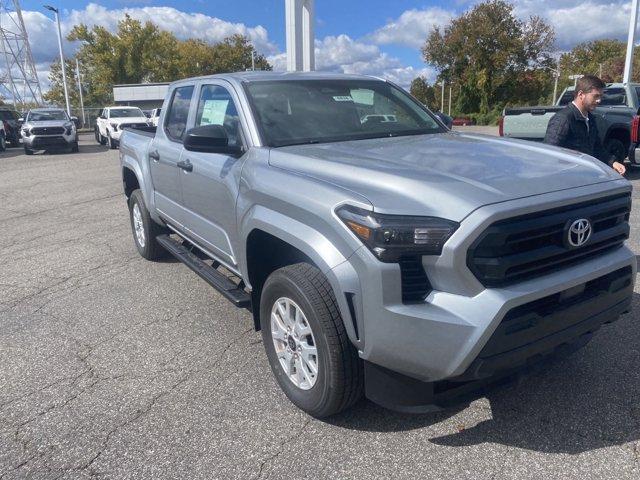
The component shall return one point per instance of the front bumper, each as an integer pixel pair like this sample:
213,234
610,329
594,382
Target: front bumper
41,142
444,336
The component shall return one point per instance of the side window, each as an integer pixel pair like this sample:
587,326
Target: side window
175,122
638,94
106,113
216,107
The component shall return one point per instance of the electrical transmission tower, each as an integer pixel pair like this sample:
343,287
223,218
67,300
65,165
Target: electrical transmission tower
19,82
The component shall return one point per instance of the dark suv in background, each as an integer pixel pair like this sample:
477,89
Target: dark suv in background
10,120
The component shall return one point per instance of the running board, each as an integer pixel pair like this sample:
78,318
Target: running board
231,291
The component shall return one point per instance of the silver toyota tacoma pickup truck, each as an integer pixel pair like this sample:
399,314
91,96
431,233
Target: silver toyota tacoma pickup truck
48,129
379,253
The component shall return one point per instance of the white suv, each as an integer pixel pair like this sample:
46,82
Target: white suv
112,120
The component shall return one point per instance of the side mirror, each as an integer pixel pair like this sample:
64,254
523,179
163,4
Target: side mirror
210,139
102,117
76,121
21,120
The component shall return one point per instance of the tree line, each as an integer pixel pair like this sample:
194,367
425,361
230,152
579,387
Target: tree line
489,57
492,59
142,53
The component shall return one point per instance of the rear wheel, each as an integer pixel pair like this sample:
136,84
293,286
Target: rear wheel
3,143
144,228
310,354
28,151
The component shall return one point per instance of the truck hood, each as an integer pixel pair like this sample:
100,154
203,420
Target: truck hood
120,120
447,174
47,123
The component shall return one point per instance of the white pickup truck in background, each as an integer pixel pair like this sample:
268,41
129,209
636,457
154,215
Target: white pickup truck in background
613,116
112,120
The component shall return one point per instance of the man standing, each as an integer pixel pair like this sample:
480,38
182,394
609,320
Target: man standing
574,126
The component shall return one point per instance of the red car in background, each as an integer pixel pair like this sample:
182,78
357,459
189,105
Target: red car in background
463,121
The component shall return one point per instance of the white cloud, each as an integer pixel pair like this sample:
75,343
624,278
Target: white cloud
576,22
412,28
42,30
343,54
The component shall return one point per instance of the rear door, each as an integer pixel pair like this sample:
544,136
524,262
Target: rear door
164,154
210,190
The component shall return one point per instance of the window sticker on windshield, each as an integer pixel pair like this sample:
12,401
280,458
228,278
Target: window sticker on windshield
343,98
362,96
213,112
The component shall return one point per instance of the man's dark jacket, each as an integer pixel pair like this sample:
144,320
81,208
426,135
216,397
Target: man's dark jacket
568,129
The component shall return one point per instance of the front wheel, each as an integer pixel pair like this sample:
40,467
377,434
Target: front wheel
111,142
28,151
307,346
3,143
144,228
75,148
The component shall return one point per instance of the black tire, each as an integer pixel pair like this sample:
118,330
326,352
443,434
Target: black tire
96,134
3,143
151,250
111,142
616,147
75,148
340,378
28,151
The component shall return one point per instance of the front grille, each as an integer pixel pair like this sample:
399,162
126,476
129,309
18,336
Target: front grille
132,125
47,131
531,245
415,284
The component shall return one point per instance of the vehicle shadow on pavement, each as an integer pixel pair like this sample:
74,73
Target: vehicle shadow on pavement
583,402
11,152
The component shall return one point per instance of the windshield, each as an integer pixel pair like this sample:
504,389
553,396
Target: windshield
125,112
295,112
44,116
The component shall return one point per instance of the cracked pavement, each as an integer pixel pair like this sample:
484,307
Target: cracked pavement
115,367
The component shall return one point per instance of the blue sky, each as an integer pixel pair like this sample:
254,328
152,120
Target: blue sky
359,36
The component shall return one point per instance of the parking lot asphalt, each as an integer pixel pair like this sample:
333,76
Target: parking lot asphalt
115,367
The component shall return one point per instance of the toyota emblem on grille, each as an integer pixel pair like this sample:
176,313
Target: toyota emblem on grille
579,232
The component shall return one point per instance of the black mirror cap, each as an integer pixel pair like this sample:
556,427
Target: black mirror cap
210,139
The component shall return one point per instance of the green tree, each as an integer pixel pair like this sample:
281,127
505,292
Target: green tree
488,53
604,58
424,92
55,95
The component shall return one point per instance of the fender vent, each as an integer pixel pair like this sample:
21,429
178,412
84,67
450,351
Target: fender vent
415,284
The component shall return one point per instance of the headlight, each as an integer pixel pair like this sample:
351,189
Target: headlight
390,237
68,128
114,126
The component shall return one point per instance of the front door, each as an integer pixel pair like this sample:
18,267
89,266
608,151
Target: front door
210,190
164,155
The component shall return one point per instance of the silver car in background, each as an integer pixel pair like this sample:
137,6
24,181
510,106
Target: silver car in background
48,129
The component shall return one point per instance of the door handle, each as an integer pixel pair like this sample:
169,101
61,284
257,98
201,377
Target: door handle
187,166
155,156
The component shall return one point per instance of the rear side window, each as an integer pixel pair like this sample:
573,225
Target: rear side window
614,96
175,123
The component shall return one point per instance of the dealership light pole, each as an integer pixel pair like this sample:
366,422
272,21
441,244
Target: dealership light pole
64,74
633,22
84,121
